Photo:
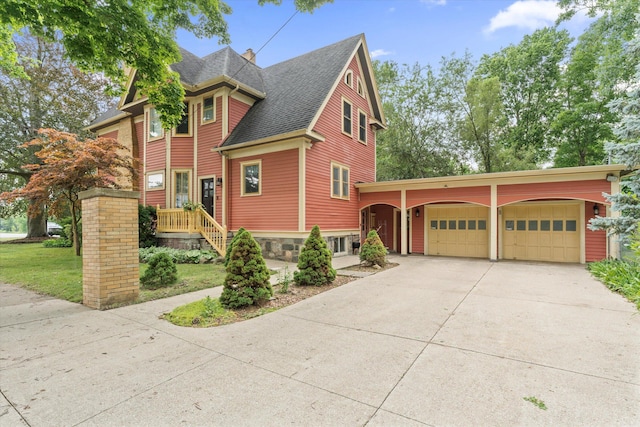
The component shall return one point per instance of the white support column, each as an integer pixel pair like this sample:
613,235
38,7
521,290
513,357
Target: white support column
493,212
403,222
302,191
225,185
613,242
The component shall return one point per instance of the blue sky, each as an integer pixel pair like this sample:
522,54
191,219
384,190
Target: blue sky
404,31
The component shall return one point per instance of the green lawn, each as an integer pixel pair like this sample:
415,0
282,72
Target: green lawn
58,272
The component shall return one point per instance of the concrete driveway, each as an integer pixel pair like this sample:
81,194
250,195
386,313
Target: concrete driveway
435,341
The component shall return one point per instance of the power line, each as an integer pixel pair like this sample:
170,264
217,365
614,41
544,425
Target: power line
267,42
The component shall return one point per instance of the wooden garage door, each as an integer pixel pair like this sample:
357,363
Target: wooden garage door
458,231
541,232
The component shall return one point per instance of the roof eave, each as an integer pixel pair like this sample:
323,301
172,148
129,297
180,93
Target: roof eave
306,133
562,174
111,120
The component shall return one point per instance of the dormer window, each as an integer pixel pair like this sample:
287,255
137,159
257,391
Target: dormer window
348,78
208,109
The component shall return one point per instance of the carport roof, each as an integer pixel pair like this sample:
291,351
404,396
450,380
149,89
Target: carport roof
582,173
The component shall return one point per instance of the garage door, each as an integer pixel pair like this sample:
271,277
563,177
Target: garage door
458,231
541,232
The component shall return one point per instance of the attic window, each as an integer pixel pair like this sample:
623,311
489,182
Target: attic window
348,78
360,88
208,110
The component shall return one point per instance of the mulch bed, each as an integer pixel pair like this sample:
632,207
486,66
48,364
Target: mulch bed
299,293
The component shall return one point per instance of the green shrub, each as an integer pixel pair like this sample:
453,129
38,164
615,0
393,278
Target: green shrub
619,276
160,273
147,226
61,242
179,256
247,280
314,263
373,250
230,246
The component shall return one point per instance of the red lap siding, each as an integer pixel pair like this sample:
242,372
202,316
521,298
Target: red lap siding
595,242
580,190
276,209
331,213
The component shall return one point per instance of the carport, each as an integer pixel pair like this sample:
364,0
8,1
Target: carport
536,215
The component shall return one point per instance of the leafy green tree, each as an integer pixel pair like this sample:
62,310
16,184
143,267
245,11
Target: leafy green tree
52,93
615,25
373,250
247,279
529,75
483,122
626,152
101,36
161,272
314,263
584,122
420,139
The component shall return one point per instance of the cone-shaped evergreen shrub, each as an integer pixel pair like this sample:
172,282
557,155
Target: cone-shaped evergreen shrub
247,280
314,263
227,255
373,250
161,272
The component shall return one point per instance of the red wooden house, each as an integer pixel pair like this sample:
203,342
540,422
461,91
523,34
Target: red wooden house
280,149
275,150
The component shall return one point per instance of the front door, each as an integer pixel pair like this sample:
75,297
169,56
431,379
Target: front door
208,194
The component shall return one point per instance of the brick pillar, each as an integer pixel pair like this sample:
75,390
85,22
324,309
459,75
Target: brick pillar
110,272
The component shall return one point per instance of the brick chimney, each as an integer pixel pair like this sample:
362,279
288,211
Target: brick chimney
249,55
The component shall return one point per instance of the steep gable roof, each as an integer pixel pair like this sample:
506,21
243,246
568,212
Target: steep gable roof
296,90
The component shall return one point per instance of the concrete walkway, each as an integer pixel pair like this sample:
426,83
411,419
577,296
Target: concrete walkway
434,341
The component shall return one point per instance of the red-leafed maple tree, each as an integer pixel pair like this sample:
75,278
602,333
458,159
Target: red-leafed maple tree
69,166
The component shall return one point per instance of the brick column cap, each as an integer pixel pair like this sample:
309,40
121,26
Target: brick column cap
108,192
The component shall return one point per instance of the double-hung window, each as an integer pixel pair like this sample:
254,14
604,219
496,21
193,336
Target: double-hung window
346,117
362,126
339,181
250,178
155,127
208,109
183,126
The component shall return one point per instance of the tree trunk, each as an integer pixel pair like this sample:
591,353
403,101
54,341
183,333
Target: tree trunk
74,228
37,225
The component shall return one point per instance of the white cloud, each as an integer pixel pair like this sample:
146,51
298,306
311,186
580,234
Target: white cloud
379,52
527,14
434,2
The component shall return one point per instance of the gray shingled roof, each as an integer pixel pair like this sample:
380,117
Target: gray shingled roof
295,89
295,92
225,62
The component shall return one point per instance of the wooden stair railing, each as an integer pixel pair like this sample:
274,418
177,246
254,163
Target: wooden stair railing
213,232
198,221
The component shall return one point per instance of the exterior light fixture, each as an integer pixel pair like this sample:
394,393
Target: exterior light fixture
417,212
612,178
219,181
596,209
